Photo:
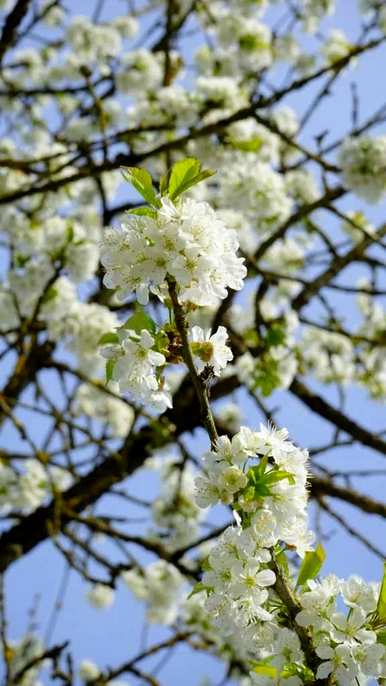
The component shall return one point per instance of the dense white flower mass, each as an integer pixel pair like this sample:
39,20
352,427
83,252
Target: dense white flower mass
58,239
175,513
264,477
221,91
363,162
96,403
272,491
139,69
159,585
33,485
301,186
258,190
81,328
345,641
246,38
185,241
239,581
255,138
329,355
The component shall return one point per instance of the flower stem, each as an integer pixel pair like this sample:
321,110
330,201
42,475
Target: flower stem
199,385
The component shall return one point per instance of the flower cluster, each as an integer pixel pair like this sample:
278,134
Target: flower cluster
363,162
329,355
135,366
102,406
270,494
175,513
23,660
24,491
159,585
336,47
185,241
345,641
263,476
240,577
262,193
80,328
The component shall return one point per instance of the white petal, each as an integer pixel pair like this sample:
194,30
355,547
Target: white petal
266,577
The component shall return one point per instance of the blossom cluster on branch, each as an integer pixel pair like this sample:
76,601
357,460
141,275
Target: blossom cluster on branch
288,632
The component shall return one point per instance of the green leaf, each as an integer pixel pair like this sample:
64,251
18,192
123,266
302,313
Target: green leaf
110,337
251,337
251,42
307,674
49,295
198,588
69,233
262,477
260,469
253,145
185,174
381,636
140,320
110,364
381,605
20,260
182,172
143,211
142,182
249,494
265,375
274,336
205,564
204,174
161,342
300,670
281,559
311,565
164,183
262,490
264,669
276,475
256,473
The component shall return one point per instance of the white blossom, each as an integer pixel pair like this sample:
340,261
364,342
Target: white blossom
186,241
135,367
160,585
99,405
363,162
210,349
100,596
88,671
336,47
